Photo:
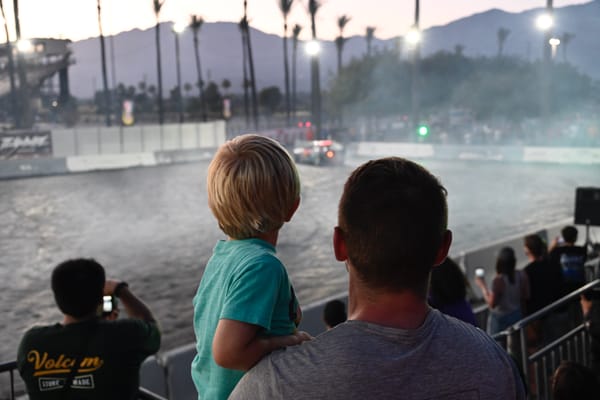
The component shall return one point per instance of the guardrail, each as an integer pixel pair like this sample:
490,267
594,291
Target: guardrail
541,363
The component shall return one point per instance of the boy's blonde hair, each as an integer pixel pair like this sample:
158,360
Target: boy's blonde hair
253,185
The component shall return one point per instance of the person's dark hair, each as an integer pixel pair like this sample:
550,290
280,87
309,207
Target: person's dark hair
334,313
448,284
506,262
574,381
393,217
535,245
78,286
569,234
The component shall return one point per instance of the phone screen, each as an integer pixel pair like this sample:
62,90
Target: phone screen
107,305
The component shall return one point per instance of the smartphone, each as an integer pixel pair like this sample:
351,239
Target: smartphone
479,272
107,304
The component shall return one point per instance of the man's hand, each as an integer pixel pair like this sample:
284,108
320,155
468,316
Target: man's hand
109,286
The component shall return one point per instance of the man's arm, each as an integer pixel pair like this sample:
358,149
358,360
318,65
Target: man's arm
134,307
236,344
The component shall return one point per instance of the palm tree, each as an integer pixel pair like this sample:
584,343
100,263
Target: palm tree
11,65
285,6
502,34
564,41
157,6
340,40
196,23
106,95
242,25
246,27
313,7
370,34
295,33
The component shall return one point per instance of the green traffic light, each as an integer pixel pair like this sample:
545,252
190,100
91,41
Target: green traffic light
423,130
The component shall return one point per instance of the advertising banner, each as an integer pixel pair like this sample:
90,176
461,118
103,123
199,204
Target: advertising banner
25,144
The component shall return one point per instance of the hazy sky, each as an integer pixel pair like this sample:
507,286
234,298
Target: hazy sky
77,19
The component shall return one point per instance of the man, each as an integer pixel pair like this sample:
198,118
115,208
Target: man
570,257
391,232
87,357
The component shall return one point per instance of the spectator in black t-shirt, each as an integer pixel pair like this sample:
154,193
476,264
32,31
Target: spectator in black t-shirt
86,357
546,285
570,257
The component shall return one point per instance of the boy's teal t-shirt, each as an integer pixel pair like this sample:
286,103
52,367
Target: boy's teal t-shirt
243,281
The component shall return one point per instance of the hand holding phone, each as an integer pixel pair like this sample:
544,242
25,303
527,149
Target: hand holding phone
479,272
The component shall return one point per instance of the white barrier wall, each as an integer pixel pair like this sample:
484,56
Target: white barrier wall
81,141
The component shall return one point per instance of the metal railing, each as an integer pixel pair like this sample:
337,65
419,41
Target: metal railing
11,366
539,365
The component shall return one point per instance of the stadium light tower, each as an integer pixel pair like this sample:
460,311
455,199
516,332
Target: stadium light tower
178,28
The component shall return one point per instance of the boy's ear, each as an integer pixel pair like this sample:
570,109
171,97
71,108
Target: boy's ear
339,245
293,210
444,248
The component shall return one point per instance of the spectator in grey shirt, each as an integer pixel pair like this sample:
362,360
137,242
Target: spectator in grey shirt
392,230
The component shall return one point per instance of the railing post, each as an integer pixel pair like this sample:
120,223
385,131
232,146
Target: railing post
524,356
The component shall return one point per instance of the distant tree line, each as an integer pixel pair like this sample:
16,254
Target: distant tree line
498,87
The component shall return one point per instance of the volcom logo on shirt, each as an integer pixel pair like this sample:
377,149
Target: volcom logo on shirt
79,382
46,365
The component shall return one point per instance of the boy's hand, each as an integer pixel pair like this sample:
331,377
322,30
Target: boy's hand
300,336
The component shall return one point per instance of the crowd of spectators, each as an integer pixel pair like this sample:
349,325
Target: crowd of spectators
408,307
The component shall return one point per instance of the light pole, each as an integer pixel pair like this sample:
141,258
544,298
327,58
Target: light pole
313,6
545,22
413,37
178,28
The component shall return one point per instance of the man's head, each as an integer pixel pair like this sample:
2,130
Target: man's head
392,221
253,186
78,286
334,313
535,246
569,234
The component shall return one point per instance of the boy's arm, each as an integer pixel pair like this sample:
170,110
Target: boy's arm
236,344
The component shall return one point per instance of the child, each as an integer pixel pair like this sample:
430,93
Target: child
245,306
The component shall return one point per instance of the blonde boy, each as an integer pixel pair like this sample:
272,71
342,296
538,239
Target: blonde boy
245,306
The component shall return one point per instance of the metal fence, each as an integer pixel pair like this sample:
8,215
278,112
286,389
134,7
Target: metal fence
538,364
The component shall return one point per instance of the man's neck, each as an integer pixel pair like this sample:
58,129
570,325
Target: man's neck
69,319
401,310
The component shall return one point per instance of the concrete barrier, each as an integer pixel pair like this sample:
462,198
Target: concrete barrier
28,167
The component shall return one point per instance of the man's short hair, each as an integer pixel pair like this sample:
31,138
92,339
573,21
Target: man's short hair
252,186
334,313
569,234
393,217
78,286
535,245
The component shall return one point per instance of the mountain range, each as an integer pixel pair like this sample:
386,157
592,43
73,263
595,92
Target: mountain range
221,49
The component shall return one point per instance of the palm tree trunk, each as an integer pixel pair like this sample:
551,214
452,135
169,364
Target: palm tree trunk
161,111
245,76
24,117
11,66
106,95
200,80
286,73
294,55
252,80
315,85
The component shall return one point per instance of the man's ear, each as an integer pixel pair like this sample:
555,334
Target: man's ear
339,245
293,210
444,248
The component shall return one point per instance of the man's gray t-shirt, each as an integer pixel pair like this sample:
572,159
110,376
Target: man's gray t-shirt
443,359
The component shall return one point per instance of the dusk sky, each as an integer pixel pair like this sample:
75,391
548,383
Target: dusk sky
77,19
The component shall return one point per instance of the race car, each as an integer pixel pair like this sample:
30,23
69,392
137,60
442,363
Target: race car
318,152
